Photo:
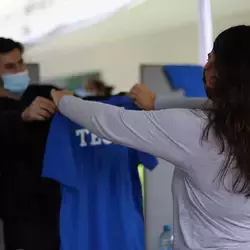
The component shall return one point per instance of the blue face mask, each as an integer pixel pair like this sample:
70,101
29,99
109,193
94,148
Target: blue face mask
81,92
16,83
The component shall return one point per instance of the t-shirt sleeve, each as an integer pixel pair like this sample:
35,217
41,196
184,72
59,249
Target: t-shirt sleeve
169,134
58,161
147,160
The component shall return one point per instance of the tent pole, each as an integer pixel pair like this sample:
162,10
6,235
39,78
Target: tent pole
205,30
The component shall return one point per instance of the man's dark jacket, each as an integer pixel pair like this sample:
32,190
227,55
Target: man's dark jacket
24,194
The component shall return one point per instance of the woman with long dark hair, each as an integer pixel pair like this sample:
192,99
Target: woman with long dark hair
210,147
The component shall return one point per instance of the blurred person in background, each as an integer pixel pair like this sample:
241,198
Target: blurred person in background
29,204
95,87
98,88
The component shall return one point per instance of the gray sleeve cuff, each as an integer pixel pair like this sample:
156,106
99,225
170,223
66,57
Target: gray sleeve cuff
178,102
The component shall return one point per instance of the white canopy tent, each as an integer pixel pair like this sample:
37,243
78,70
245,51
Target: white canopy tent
29,21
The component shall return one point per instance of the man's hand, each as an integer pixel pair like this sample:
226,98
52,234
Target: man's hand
144,98
58,94
40,109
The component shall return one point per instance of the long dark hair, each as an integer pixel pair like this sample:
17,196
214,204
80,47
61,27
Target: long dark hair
229,117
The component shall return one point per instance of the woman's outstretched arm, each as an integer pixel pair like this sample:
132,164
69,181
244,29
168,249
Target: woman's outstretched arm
161,133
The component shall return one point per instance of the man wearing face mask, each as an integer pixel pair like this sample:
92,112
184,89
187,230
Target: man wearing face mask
29,204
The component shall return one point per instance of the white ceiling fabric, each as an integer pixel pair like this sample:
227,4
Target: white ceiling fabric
30,20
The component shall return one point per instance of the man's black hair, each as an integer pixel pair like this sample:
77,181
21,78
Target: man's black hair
7,45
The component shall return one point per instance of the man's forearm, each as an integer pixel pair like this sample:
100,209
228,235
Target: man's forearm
178,102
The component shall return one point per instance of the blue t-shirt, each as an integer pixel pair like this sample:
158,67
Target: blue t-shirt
101,193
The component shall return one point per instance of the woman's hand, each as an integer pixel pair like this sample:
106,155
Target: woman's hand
58,94
144,98
40,109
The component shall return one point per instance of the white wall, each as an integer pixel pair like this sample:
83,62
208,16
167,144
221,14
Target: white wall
119,62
